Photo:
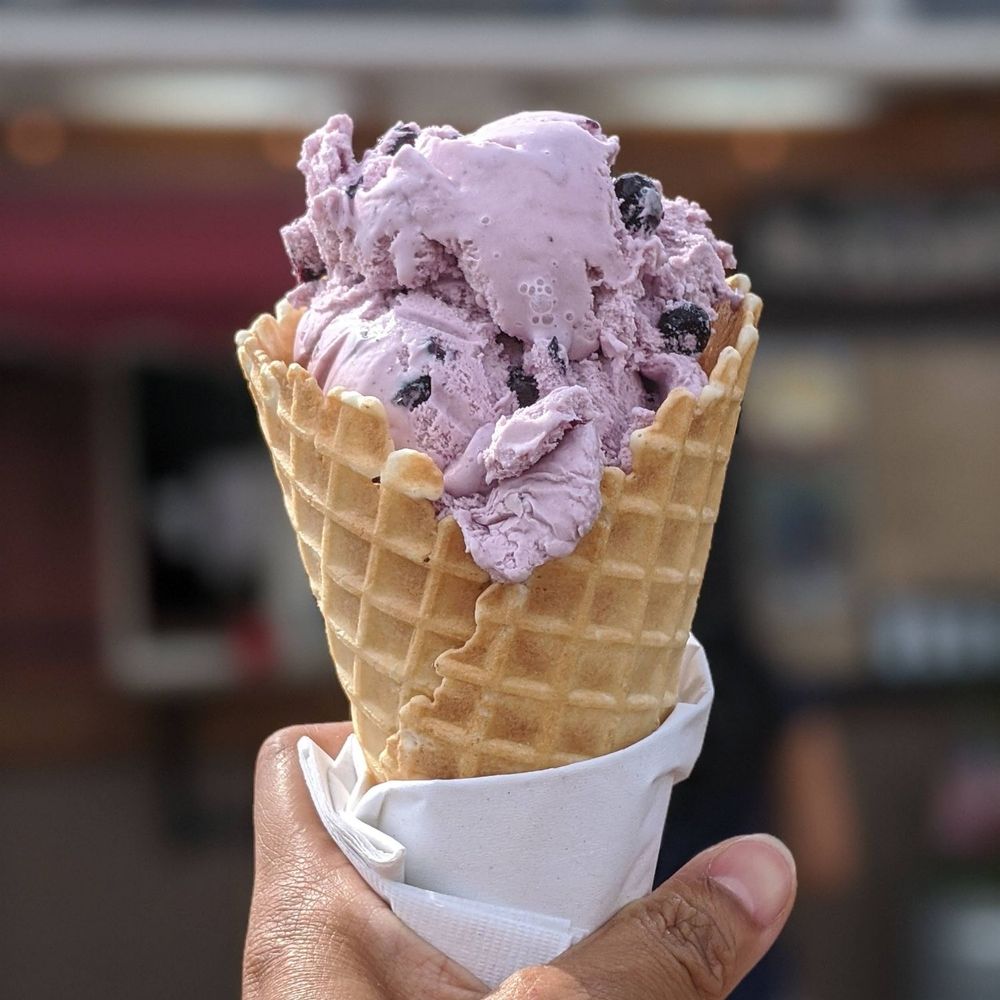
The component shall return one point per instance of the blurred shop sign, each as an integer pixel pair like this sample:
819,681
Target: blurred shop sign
886,247
187,258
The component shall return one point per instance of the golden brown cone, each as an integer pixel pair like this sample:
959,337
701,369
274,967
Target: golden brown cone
450,675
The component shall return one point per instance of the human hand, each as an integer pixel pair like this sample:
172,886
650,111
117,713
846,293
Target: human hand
317,931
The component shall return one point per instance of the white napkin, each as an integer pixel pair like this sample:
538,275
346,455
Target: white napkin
510,870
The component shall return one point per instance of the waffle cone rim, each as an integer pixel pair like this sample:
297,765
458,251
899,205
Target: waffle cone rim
413,472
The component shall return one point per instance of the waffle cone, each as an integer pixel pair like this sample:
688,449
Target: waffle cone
448,674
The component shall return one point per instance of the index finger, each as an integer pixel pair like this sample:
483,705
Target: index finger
288,831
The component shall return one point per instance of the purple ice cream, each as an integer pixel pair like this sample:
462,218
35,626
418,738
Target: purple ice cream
517,309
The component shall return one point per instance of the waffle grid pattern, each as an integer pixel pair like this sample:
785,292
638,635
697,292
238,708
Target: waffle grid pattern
395,588
614,637
447,674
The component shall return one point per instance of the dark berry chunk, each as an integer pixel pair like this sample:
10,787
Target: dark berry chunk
309,272
397,137
414,393
434,346
352,189
523,386
303,253
639,202
685,329
556,354
651,393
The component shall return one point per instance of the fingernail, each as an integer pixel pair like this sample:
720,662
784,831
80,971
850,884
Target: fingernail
759,872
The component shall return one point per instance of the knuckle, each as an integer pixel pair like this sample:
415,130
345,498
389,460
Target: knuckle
258,972
294,929
692,941
265,957
302,906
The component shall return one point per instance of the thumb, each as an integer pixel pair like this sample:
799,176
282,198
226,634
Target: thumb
694,938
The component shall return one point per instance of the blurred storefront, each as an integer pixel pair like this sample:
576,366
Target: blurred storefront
155,624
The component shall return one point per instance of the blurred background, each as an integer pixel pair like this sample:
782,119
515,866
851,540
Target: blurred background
155,624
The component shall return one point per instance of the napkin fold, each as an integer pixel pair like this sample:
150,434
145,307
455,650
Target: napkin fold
509,870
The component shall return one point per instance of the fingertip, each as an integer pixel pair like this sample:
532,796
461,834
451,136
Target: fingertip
329,736
289,833
758,871
275,749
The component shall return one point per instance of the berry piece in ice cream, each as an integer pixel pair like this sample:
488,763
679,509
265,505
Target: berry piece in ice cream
556,354
685,329
397,137
309,273
518,310
639,201
525,387
414,393
303,251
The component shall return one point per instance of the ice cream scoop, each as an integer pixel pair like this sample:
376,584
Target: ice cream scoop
518,310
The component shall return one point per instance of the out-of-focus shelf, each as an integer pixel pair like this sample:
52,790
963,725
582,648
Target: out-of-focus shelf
865,689
857,45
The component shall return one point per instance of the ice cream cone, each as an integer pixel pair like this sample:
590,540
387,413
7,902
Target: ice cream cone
448,674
